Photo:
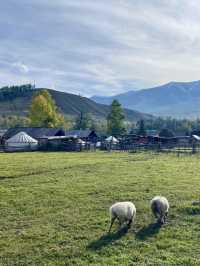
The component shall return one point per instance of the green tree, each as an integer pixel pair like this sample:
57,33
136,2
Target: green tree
13,121
83,121
141,128
44,112
115,119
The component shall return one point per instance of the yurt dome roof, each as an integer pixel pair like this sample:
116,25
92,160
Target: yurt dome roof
112,139
21,137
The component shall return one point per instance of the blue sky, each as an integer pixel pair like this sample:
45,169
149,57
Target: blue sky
99,47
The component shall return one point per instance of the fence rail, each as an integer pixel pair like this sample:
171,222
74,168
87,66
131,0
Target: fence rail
191,148
167,148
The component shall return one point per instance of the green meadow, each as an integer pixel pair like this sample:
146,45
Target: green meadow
54,209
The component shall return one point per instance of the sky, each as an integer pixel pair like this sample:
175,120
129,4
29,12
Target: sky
99,47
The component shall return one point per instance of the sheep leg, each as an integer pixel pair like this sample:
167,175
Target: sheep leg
129,222
165,217
158,217
111,223
155,210
162,218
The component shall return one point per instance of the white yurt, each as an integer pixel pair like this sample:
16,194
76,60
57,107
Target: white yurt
195,137
21,142
112,140
98,144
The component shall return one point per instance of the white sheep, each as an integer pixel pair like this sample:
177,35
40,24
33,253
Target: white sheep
123,211
160,208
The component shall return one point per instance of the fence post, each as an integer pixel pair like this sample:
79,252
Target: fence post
159,147
193,148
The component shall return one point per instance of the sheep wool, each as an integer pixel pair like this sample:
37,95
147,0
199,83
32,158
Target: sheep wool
160,208
124,212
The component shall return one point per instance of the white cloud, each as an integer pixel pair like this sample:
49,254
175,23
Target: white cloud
99,47
21,67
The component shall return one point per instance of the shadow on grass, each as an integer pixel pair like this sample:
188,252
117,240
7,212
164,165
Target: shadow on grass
193,210
23,175
148,231
107,239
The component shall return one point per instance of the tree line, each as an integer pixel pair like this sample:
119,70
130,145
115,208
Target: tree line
43,112
10,93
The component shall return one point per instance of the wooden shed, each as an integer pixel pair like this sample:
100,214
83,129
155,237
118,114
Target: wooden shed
35,132
86,135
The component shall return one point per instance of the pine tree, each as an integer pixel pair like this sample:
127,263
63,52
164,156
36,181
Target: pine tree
165,132
115,119
141,128
83,121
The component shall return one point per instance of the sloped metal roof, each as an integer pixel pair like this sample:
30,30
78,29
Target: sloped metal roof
35,132
79,133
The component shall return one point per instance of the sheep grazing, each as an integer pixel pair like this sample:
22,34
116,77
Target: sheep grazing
160,208
124,212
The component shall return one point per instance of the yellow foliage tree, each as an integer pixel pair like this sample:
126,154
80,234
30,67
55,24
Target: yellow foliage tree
44,112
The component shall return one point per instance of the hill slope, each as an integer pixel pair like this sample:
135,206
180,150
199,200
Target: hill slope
176,99
16,101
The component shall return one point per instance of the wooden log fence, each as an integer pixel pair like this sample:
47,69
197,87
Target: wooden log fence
189,149
192,148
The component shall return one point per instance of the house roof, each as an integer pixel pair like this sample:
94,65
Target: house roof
2,132
61,138
35,132
79,133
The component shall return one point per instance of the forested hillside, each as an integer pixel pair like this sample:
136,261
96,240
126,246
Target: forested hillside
16,101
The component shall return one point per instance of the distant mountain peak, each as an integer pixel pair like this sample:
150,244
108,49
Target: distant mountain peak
176,99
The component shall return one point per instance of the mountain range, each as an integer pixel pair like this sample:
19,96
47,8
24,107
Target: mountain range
16,100
175,99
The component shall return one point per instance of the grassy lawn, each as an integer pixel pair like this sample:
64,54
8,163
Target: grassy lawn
54,209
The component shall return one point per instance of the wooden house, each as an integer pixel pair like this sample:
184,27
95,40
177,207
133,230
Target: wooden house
61,143
86,135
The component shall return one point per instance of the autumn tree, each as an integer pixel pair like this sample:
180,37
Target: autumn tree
115,119
44,112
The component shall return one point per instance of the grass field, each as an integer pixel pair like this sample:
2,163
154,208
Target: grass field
54,209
